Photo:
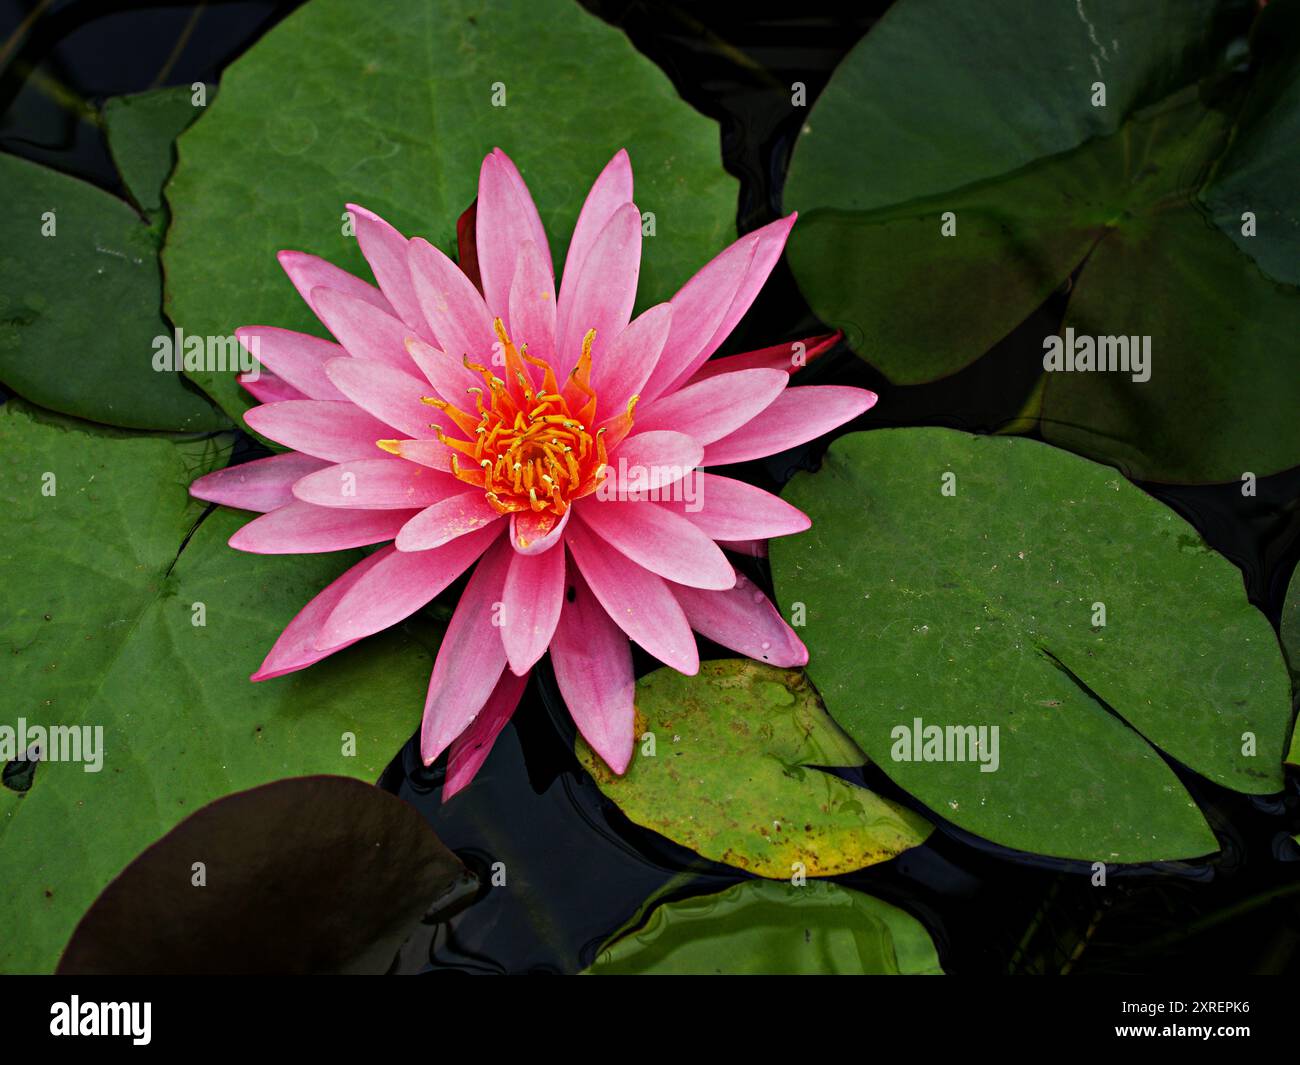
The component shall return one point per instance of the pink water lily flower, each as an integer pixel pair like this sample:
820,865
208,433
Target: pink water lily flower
472,415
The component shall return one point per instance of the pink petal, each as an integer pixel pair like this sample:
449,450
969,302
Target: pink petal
611,190
533,595
506,218
471,657
448,377
649,461
396,588
444,521
267,388
711,409
777,357
365,332
375,484
308,272
532,534
432,453
629,361
295,358
593,668
728,510
260,485
743,619
300,528
390,395
638,601
532,303
606,289
451,304
796,416
470,749
296,648
749,548
385,250
334,431
658,540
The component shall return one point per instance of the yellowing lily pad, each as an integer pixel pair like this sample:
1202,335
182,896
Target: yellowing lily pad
724,766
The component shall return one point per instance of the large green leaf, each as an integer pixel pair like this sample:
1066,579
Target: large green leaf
730,774
97,629
1042,184
979,606
390,104
1290,635
762,927
142,131
80,309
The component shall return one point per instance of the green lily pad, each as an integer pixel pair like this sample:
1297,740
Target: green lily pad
391,105
80,309
965,581
102,595
309,875
929,249
142,131
1290,635
731,774
762,927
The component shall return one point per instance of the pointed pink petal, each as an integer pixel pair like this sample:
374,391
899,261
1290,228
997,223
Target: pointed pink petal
449,377
533,595
506,218
649,461
267,388
450,518
796,416
471,658
629,361
777,357
532,304
532,534
451,304
299,528
385,250
470,749
658,540
390,395
432,453
711,409
751,548
743,619
593,668
296,648
295,358
637,600
364,331
261,485
308,272
610,191
334,431
603,297
375,484
728,511
396,588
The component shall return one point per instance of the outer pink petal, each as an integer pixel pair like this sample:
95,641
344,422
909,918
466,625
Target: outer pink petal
658,540
728,510
777,357
743,619
532,303
532,534
260,485
506,218
399,586
606,289
308,272
646,462
392,396
795,417
363,330
629,361
533,596
267,388
296,648
471,658
711,409
334,431
637,600
375,484
611,190
448,519
593,668
385,250
451,304
295,358
470,749
301,528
